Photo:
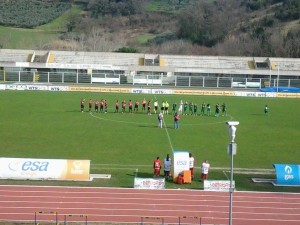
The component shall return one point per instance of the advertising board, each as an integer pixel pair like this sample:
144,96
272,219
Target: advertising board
44,169
217,185
181,163
149,183
287,174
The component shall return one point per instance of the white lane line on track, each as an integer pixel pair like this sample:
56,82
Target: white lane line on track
179,210
143,204
127,192
175,200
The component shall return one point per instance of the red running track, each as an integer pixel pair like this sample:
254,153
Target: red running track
120,205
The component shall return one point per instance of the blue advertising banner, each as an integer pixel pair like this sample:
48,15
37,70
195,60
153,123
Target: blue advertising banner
287,174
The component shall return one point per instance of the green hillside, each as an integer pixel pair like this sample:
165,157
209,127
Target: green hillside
268,28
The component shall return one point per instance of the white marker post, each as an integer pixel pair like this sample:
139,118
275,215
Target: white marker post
232,148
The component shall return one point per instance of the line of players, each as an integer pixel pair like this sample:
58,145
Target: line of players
205,109
102,106
184,108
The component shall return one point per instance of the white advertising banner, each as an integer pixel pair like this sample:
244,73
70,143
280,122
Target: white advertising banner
141,91
147,81
81,66
217,185
58,88
34,87
149,183
151,91
19,87
114,80
37,87
181,163
44,169
246,84
254,94
162,91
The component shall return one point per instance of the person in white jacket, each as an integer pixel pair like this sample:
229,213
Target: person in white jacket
204,170
160,119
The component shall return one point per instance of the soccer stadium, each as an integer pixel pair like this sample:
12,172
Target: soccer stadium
148,69
66,161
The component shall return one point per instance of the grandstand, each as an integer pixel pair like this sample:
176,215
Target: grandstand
172,68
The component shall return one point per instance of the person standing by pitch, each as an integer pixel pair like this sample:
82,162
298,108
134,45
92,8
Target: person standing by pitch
157,167
160,119
204,170
191,165
176,121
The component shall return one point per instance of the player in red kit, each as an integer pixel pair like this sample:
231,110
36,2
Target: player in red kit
123,106
82,104
157,167
105,106
130,106
136,105
144,104
101,105
96,106
90,104
117,106
149,107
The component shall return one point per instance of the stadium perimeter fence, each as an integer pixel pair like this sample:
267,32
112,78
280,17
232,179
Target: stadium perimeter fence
53,217
232,81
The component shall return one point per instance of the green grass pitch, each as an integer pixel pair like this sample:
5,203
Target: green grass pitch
50,125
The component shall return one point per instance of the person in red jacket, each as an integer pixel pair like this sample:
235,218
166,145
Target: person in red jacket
157,167
176,121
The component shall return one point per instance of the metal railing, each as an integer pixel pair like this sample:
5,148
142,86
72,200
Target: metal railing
145,80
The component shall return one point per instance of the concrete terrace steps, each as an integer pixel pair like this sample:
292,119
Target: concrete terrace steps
184,63
104,59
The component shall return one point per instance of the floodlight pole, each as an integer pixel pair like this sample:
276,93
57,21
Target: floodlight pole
232,147
231,181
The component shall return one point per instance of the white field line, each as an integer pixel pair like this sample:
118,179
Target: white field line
225,169
165,126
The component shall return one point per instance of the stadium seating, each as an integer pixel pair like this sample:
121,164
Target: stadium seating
134,63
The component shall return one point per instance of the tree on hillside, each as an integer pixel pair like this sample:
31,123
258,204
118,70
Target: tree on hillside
207,24
290,10
114,7
292,43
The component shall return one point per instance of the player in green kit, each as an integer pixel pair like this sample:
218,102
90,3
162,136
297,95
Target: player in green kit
217,110
202,109
224,110
191,108
195,109
174,106
185,106
208,109
266,110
